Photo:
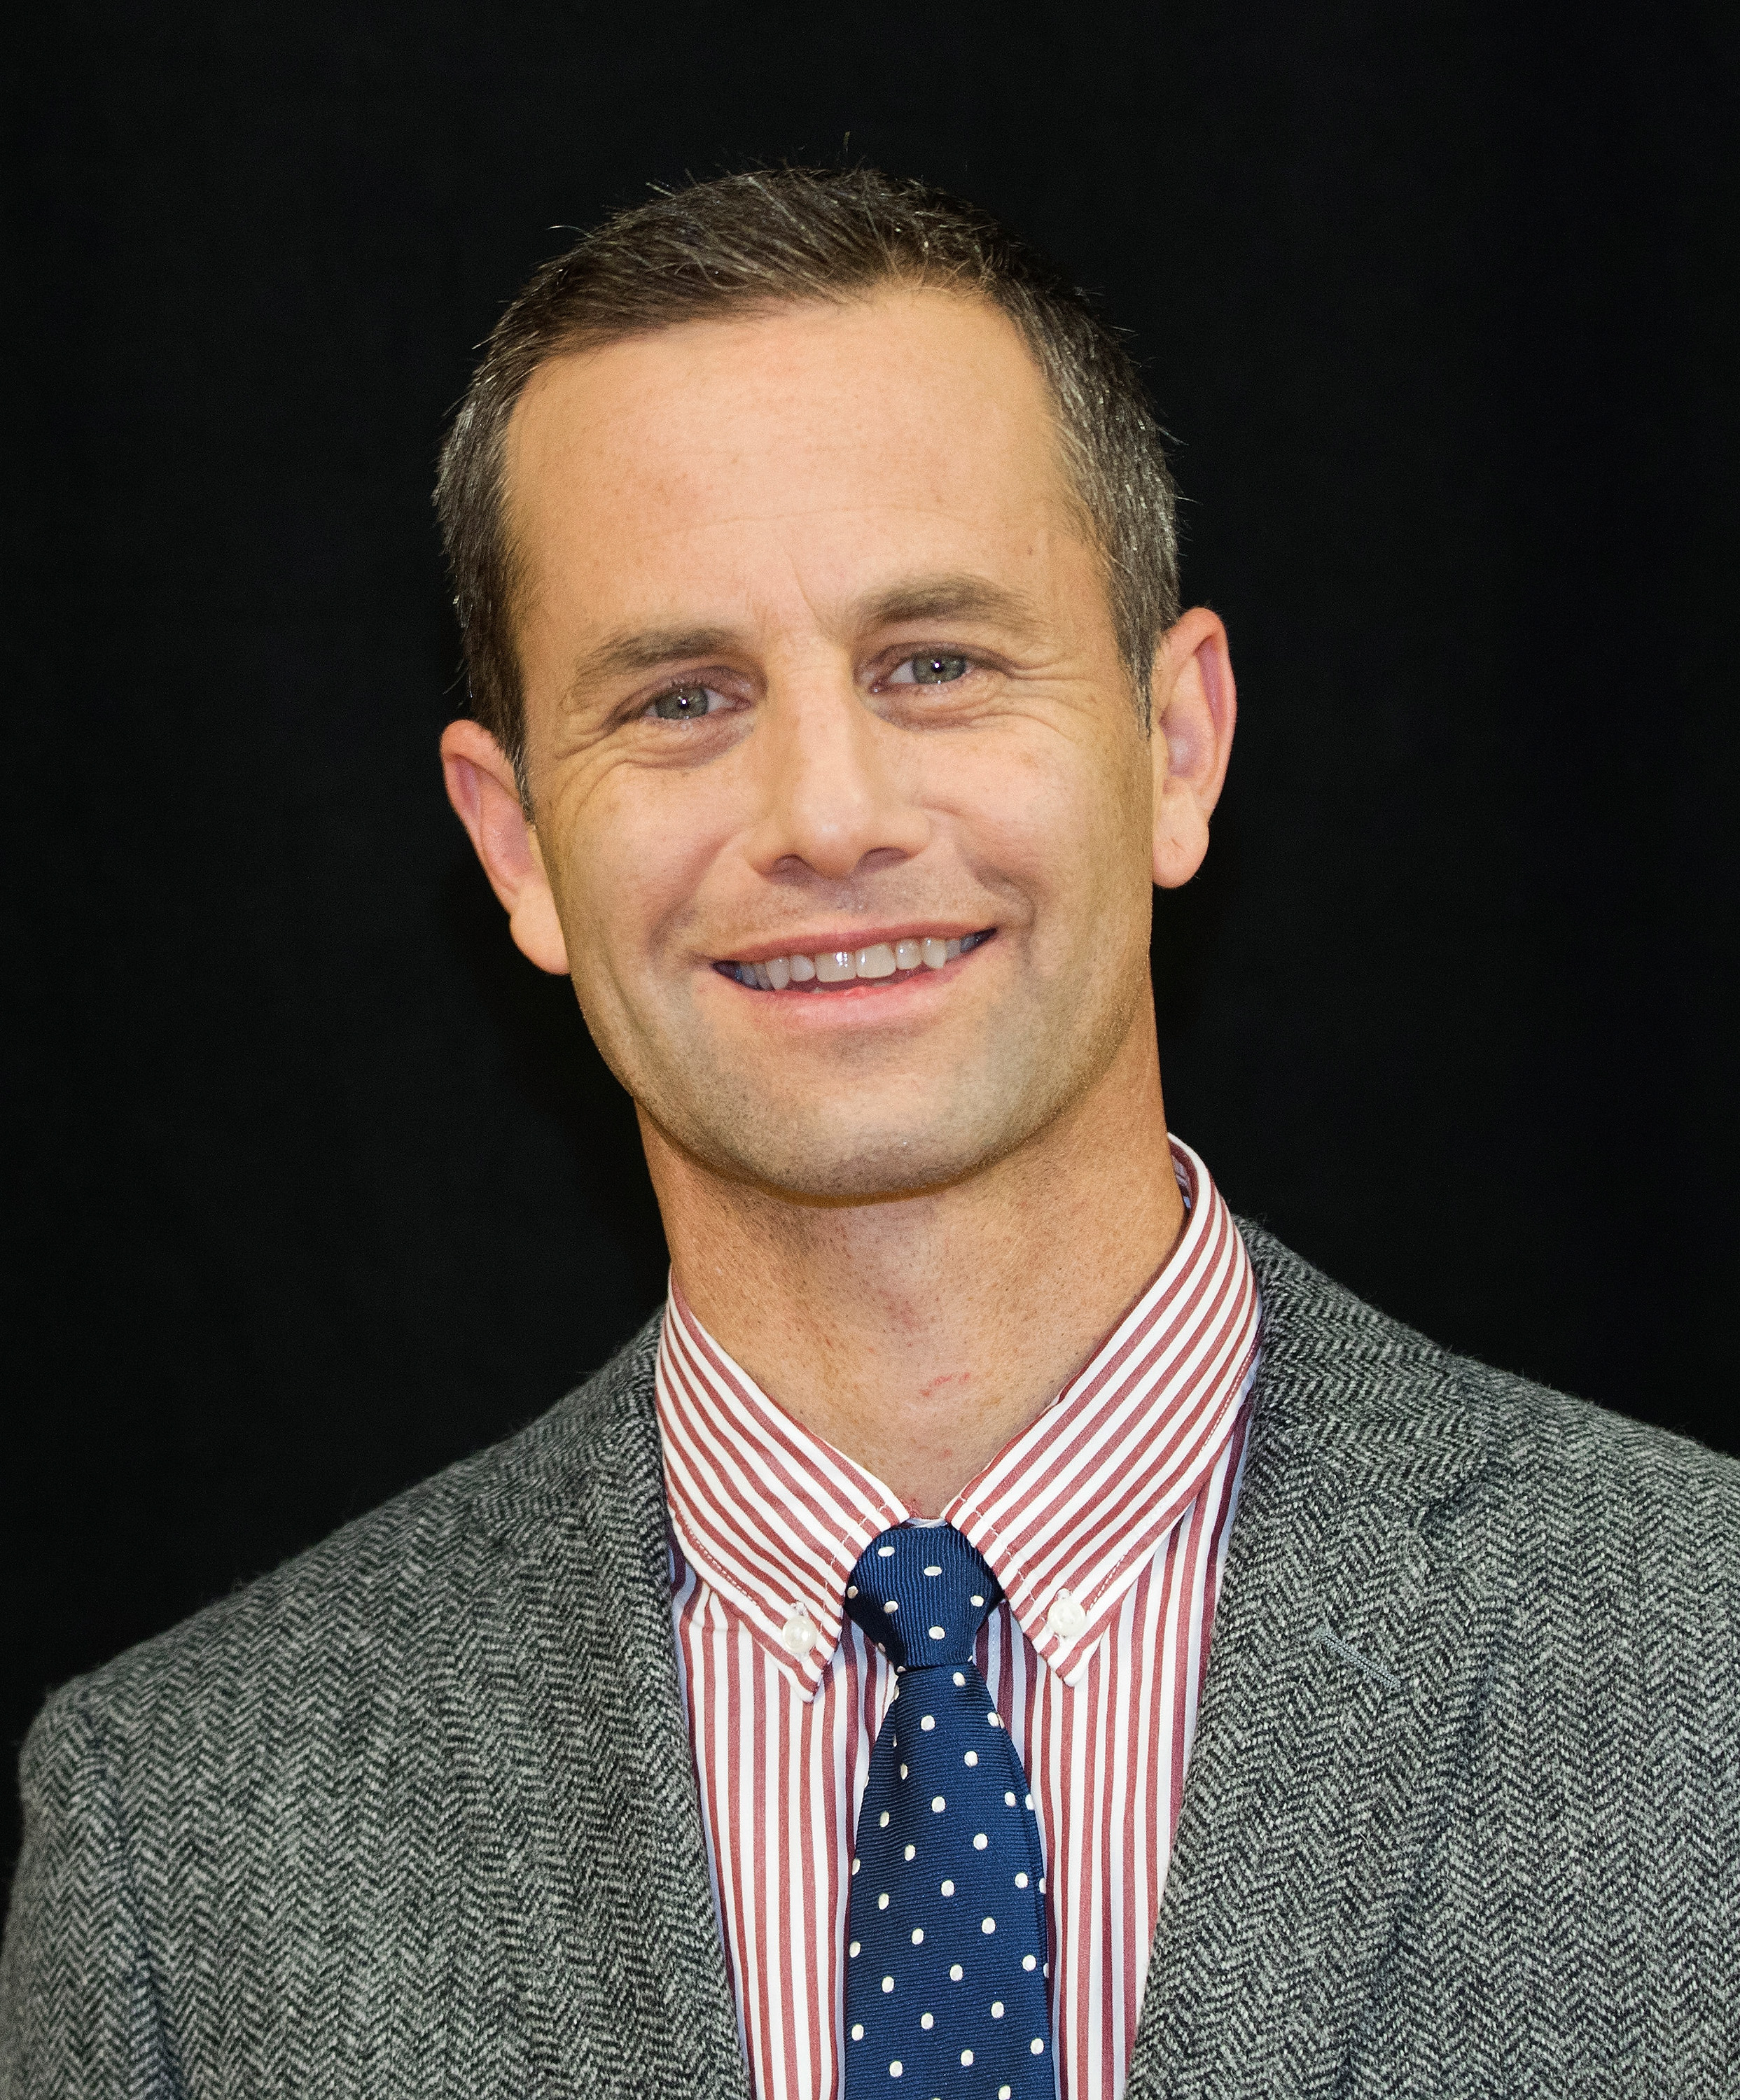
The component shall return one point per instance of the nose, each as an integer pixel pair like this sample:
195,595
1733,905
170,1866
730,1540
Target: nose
834,796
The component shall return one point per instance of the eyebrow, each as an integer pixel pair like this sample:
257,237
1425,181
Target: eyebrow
645,649
950,596
960,596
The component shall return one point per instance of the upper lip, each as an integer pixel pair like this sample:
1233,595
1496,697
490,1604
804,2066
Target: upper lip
842,940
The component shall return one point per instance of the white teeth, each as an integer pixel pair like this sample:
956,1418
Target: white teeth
880,959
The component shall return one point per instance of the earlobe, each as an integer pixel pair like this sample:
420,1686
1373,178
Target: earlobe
1195,707
485,796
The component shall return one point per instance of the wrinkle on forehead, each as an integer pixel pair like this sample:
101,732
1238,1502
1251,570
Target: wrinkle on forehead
799,385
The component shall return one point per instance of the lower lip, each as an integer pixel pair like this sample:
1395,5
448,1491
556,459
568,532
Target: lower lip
855,990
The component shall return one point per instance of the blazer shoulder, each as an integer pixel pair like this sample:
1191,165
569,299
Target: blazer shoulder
1608,1507
1359,1382
359,1597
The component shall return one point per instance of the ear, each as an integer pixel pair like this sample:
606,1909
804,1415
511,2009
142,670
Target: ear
1195,705
481,787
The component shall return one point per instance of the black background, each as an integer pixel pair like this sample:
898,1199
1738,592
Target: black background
322,1185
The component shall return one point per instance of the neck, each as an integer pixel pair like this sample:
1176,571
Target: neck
918,1335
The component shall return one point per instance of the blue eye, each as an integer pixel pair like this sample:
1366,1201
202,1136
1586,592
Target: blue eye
682,704
937,670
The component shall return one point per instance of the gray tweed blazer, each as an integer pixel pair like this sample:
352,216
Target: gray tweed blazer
416,1815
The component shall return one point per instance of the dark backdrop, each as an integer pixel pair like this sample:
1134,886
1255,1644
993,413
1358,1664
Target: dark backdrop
321,1186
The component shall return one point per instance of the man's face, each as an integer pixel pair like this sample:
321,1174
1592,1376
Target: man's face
819,662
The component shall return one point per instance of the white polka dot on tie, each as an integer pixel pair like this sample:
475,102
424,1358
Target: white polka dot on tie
980,1841
851,1589
996,2008
892,1606
1003,2091
933,1571
858,2034
966,2056
1037,2046
929,1721
918,1935
888,1982
937,1633
956,1973
895,2068
938,1804
884,1819
1028,1961
912,1853
927,2022
881,1901
978,1601
972,1757
1021,1880
1008,1800
903,1771
1042,1885
853,1949
961,1677
1030,1801
989,1924
886,1552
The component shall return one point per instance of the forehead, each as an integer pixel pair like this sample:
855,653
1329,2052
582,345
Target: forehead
814,441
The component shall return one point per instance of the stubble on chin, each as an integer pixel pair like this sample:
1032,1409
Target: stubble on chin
830,1148
833,1142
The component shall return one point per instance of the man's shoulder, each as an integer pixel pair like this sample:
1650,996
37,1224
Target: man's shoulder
361,1602
1587,1484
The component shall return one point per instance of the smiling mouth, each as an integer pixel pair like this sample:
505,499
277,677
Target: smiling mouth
835,968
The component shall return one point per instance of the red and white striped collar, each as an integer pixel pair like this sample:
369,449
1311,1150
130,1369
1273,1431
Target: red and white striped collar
1068,1514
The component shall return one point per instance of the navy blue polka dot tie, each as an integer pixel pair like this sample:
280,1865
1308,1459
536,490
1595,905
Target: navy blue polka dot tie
946,1963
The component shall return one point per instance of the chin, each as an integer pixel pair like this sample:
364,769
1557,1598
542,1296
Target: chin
874,1141
873,1168
805,1159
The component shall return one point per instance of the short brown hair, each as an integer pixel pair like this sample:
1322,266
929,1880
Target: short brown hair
744,242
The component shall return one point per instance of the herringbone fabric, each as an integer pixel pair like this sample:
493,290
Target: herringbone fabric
416,1815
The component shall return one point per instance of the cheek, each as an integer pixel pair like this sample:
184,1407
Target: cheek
1066,828
631,869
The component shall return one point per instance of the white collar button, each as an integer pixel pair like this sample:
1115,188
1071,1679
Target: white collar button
1065,1618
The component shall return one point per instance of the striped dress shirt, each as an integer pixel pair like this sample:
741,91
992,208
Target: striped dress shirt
1106,1521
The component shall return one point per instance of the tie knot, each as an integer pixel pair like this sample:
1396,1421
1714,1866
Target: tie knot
921,1592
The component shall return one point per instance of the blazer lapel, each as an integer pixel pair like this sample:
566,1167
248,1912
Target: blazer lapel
1366,1586
568,1737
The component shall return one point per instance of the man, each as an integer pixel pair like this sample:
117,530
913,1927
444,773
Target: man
1008,1629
